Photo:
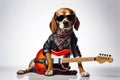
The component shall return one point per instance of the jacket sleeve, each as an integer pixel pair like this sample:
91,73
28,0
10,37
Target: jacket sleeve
76,52
47,46
74,47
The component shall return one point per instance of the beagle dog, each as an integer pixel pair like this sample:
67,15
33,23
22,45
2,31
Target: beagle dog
62,37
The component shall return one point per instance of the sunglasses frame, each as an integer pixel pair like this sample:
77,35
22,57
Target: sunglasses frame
70,17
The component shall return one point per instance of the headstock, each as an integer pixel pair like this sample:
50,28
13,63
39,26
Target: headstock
104,58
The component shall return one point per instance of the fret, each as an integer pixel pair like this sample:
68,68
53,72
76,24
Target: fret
86,59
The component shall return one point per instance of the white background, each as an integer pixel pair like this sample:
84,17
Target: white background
24,27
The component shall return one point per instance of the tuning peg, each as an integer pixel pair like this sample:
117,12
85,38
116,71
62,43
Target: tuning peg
109,55
100,54
105,54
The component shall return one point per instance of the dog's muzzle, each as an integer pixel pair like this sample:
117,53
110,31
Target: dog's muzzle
66,24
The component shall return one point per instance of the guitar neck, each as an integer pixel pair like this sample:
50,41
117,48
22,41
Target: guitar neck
85,59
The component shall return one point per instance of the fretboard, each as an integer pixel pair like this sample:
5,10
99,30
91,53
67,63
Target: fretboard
85,59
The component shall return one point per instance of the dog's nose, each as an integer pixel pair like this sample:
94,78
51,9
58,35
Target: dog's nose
65,23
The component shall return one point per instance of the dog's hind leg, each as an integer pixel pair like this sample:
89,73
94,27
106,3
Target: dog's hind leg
31,68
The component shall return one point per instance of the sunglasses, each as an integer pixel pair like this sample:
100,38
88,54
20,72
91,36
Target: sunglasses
61,17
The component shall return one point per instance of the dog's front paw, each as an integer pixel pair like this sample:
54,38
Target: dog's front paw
49,73
85,74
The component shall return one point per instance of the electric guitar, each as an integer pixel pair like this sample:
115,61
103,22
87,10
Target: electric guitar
60,60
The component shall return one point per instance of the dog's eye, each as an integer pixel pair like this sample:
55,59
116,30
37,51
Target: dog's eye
59,18
70,17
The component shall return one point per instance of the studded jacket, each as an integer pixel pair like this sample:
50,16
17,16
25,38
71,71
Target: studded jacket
54,42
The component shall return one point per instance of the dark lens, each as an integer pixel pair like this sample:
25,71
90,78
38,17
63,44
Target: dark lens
71,17
60,18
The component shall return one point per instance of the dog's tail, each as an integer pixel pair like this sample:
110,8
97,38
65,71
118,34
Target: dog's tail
31,68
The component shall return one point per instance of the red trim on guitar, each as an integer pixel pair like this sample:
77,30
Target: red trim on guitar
61,53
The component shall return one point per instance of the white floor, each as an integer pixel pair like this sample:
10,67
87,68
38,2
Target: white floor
96,74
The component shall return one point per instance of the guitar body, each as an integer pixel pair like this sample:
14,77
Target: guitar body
41,65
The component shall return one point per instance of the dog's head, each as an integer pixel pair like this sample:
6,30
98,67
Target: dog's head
64,19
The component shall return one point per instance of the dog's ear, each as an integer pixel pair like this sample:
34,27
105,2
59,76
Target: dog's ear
53,25
76,24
